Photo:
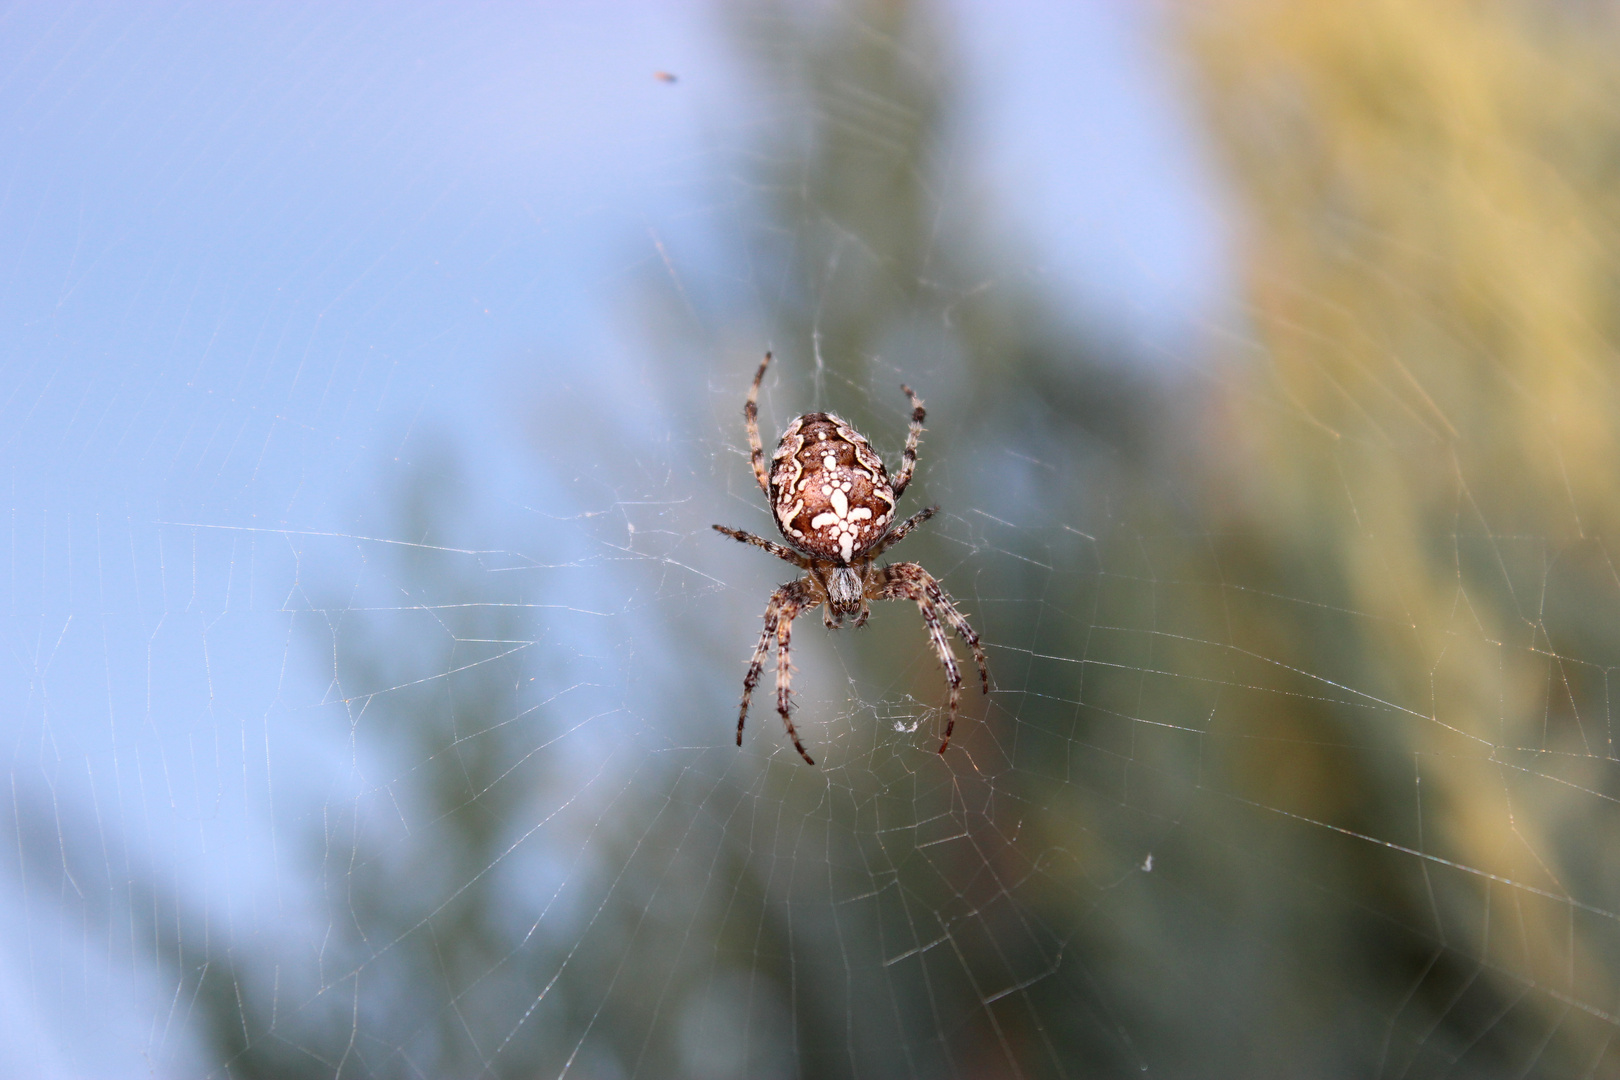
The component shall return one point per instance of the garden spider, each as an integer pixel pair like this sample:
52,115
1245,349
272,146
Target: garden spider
833,501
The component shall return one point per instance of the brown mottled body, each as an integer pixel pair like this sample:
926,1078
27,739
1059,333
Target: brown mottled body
834,502
829,490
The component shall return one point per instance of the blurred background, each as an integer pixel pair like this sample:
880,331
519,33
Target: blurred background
370,378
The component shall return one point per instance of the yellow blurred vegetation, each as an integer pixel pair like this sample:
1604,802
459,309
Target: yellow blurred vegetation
1417,424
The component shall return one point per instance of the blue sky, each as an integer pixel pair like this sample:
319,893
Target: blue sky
255,258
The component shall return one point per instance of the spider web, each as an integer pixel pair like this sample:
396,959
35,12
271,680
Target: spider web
372,381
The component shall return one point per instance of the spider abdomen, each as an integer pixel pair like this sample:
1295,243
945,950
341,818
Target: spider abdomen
829,491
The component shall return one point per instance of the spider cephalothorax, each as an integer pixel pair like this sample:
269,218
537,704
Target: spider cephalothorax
834,502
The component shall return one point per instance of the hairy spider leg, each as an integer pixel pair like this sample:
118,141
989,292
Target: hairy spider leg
784,678
958,622
908,459
756,664
898,533
785,553
908,581
785,605
942,645
756,450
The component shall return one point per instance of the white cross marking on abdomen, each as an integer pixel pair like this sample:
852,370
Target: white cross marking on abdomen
842,520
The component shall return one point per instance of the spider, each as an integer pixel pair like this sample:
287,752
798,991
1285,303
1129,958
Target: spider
834,503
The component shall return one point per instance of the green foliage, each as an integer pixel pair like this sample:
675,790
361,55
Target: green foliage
1301,668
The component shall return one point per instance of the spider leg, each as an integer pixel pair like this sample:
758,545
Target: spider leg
947,659
947,607
784,678
908,581
756,451
771,546
785,605
908,459
959,623
898,533
757,663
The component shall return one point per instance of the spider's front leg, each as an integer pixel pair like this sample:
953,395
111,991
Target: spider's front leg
909,581
784,679
786,604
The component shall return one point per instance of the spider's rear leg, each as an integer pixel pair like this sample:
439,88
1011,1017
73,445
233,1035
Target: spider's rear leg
756,450
784,553
908,457
898,533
